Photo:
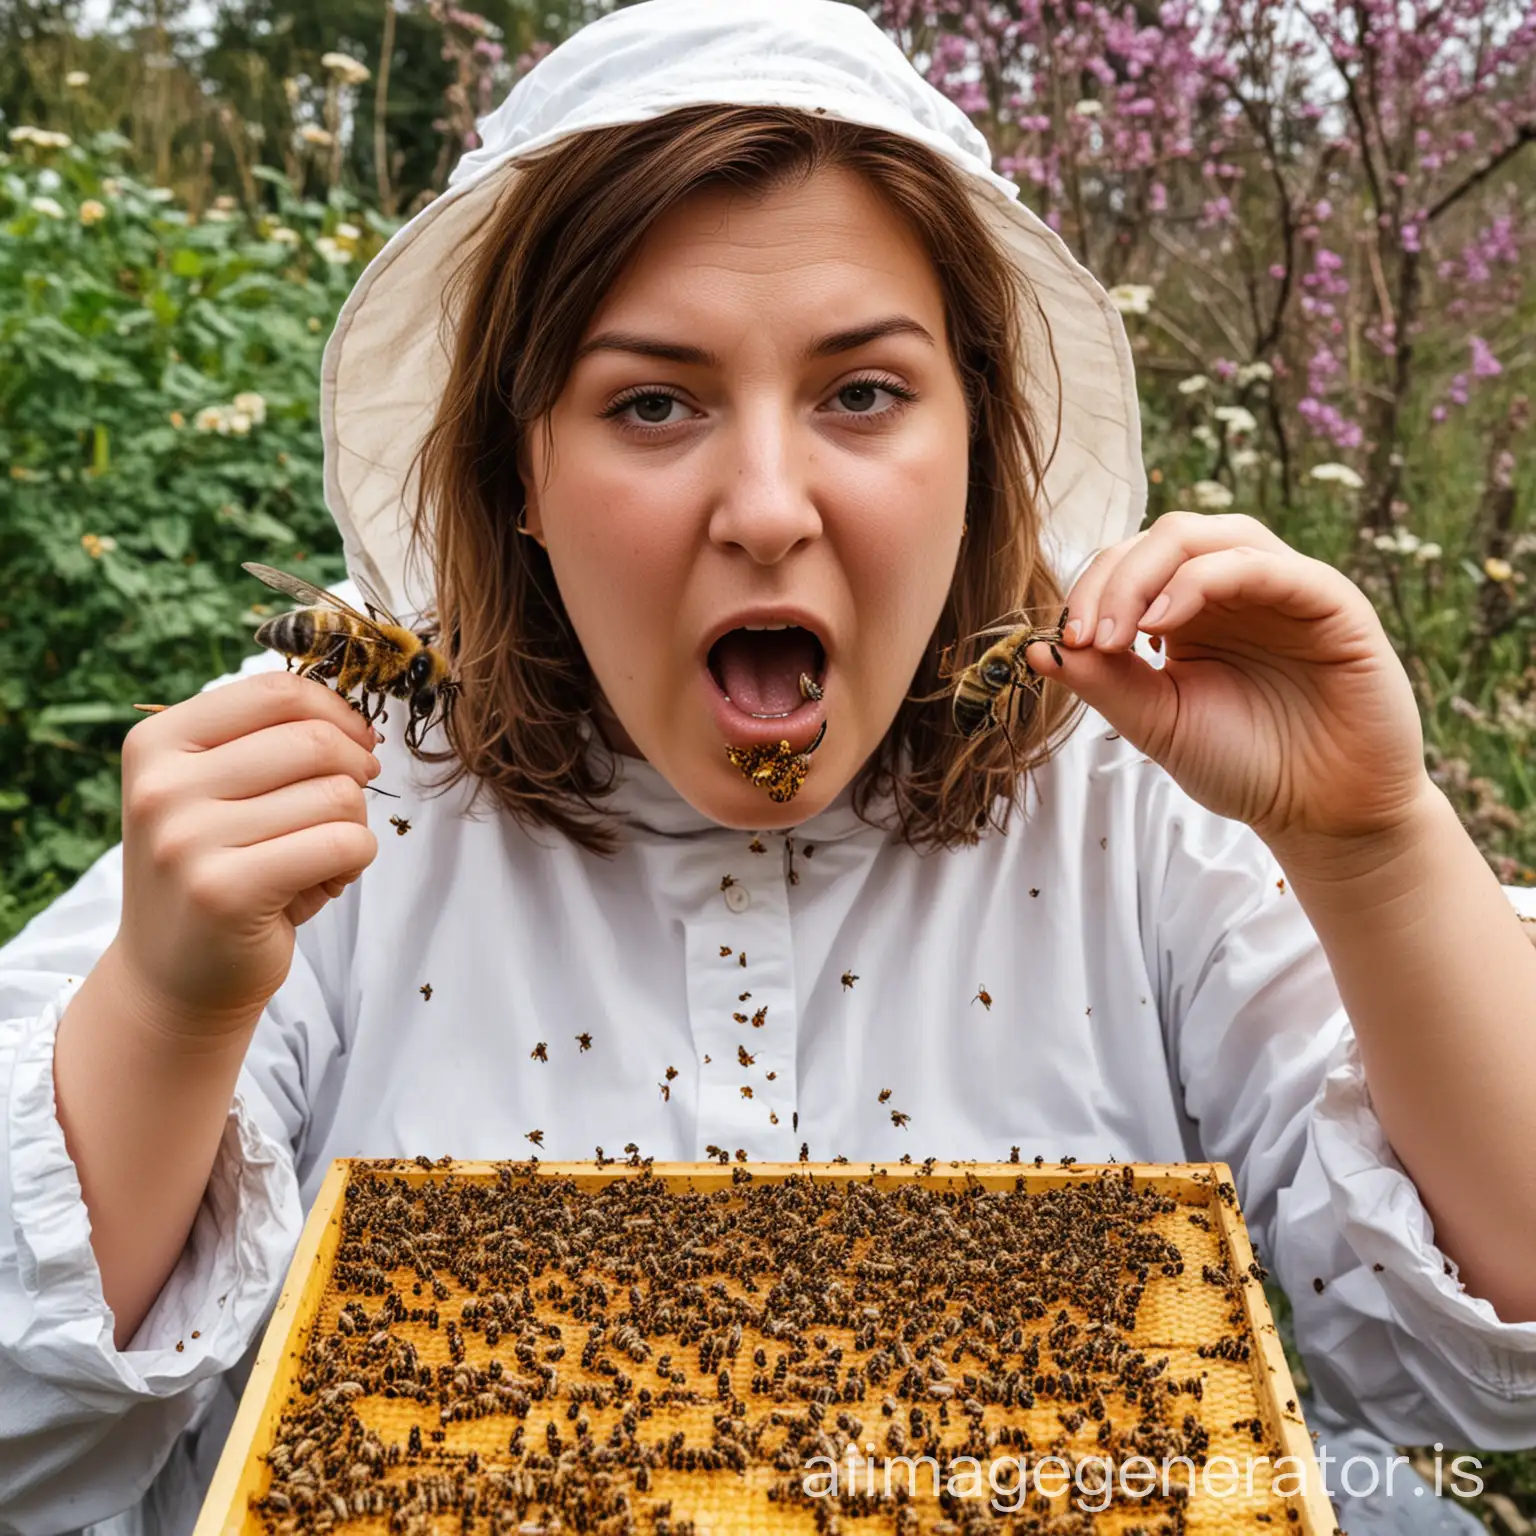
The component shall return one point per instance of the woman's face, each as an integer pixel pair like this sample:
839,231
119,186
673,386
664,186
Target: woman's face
725,449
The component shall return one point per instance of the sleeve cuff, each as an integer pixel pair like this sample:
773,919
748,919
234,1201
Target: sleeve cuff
1382,1220
60,1328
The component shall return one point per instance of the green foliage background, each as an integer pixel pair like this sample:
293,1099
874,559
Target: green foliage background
108,333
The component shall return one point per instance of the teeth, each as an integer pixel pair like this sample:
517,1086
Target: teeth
770,626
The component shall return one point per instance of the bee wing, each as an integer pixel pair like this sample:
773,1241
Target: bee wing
306,592
376,608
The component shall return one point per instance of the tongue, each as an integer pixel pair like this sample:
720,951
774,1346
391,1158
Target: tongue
760,669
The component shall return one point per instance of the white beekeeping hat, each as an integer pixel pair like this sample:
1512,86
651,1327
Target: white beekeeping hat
387,360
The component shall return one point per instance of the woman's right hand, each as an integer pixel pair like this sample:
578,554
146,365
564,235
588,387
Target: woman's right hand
244,812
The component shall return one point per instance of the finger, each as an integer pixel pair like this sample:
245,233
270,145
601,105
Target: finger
250,704
1288,583
1084,596
280,754
272,873
293,807
1130,586
1136,698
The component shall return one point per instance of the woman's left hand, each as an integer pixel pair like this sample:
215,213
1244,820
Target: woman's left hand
1281,704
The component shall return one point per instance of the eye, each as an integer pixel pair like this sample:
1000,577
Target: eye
653,406
867,389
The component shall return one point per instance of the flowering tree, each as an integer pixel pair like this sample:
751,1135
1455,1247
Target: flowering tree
1329,184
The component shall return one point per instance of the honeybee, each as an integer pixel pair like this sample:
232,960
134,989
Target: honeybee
979,692
374,653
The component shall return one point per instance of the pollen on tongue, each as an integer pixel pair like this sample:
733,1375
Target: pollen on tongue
760,669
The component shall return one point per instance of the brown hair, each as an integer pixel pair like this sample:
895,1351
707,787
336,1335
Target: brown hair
557,240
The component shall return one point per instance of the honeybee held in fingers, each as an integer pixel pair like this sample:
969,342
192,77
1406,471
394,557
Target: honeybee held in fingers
983,694
372,655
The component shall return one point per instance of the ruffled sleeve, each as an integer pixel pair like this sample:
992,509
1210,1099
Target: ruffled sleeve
85,1427
1273,1086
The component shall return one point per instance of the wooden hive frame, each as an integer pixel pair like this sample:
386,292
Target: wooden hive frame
243,1474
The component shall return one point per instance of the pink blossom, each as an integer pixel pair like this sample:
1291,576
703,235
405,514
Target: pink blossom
1484,363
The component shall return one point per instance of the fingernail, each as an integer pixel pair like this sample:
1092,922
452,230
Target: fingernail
1156,611
1105,631
374,766
1073,630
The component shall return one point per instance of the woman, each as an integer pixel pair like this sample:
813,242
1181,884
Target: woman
742,332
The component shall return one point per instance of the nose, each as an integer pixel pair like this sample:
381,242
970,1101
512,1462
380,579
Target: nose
765,506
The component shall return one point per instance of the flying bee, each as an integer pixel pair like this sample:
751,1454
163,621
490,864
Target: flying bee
373,653
980,689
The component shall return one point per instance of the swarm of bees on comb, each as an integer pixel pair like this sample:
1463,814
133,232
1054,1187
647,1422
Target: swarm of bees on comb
517,1349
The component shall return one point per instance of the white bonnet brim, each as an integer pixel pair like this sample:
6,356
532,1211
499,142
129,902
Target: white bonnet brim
387,359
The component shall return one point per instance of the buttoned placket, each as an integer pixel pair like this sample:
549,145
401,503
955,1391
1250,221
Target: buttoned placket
739,940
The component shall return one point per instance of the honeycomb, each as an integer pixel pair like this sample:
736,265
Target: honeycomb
688,1350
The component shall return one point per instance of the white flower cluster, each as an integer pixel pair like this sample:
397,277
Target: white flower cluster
1404,543
1131,298
1211,495
1338,474
236,419
40,137
1236,419
348,71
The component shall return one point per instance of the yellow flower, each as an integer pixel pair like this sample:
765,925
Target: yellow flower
97,545
314,322
1496,569
312,133
177,419
92,212
210,419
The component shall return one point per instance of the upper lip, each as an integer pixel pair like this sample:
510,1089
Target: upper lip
772,613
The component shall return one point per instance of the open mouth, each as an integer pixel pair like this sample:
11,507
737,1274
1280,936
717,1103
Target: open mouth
768,673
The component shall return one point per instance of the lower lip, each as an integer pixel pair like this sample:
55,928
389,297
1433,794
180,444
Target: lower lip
739,729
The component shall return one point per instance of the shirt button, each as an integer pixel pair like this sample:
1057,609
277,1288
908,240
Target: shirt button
737,898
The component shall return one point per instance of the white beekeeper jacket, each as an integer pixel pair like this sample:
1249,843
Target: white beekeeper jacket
1155,993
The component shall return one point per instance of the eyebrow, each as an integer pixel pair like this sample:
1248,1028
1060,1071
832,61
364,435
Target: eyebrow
824,346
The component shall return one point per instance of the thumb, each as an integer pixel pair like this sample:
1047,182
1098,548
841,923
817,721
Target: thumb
1136,698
